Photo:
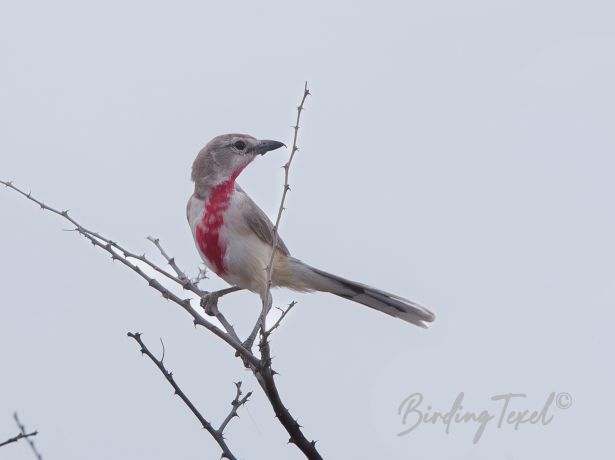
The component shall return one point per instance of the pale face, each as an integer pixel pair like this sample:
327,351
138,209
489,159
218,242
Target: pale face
225,156
231,153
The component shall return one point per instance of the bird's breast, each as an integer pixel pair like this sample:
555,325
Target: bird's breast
225,241
207,227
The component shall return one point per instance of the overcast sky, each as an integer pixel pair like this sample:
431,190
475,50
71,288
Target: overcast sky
460,154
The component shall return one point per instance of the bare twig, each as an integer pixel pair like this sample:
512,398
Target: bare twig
276,226
267,301
236,403
17,438
216,434
201,275
170,260
279,321
22,428
81,229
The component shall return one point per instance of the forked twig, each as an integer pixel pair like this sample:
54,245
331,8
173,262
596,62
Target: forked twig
279,321
236,403
217,434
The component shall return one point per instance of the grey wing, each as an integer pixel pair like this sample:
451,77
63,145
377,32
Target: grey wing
260,224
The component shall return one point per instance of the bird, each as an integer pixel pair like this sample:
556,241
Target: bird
235,238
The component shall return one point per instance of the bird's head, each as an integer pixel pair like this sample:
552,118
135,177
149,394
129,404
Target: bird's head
225,156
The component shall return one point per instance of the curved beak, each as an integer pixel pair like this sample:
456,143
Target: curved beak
265,146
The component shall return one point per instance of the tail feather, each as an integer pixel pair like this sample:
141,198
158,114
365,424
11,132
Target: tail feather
398,307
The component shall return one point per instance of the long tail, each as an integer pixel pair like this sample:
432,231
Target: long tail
305,278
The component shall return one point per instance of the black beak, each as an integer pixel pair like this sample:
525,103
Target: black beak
265,146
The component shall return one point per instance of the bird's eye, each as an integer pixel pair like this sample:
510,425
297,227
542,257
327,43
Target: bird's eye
240,145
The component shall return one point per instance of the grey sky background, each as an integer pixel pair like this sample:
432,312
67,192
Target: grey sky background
456,153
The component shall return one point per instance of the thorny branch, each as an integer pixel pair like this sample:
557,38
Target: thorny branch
236,403
260,367
22,428
170,260
267,381
267,301
276,226
279,321
217,434
209,300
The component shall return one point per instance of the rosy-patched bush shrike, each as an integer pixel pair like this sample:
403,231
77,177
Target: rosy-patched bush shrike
234,236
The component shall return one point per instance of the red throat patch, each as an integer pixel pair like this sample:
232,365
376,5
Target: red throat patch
208,230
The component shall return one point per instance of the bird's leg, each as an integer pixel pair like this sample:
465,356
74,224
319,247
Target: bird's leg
260,323
250,340
210,301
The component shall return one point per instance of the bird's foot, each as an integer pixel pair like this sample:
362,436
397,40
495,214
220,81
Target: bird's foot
210,303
